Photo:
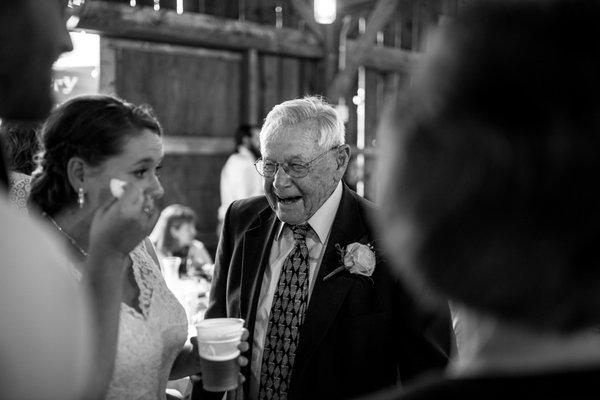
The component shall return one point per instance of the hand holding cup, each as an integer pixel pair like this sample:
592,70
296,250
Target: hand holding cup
220,343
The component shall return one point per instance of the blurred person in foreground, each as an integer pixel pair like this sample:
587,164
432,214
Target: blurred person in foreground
490,168
21,144
57,336
87,142
302,267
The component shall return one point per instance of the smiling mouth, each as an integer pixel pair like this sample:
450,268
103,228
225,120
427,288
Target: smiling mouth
288,200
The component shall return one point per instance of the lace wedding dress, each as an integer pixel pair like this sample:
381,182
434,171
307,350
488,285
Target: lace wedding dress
149,341
19,187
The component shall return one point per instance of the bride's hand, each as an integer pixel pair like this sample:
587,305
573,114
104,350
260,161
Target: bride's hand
121,224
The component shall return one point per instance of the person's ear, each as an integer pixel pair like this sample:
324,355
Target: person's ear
76,173
343,157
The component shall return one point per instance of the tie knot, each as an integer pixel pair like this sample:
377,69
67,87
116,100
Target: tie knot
300,231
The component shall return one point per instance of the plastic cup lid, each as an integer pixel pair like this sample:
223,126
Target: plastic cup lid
219,328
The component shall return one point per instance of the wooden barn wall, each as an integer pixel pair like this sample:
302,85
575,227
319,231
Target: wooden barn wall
199,97
406,30
284,78
202,95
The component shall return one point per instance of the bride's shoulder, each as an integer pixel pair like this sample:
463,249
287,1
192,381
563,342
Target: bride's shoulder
146,251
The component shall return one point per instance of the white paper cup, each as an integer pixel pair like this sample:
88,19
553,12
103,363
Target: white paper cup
218,339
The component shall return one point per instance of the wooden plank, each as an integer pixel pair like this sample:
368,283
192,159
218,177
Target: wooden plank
198,145
270,75
266,12
168,4
251,106
151,47
346,4
194,181
251,11
385,58
305,11
108,66
191,6
330,62
198,93
201,6
290,79
416,25
450,8
215,7
384,10
406,24
309,78
121,20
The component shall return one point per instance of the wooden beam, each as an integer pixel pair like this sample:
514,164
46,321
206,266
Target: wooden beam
251,106
123,21
305,11
345,4
383,11
385,59
198,145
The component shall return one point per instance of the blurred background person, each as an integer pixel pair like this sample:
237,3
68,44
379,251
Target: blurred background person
186,263
186,266
175,235
21,144
239,179
489,167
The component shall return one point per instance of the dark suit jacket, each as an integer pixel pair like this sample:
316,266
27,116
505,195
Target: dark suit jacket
358,336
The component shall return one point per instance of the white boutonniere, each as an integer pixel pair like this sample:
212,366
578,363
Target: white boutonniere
357,258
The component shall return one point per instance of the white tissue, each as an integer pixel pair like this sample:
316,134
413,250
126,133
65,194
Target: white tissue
117,187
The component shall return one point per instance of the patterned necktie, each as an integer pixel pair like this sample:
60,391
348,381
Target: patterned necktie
285,320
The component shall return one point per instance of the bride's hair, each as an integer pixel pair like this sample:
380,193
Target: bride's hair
93,128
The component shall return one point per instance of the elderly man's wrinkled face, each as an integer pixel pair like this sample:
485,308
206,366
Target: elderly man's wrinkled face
295,200
32,36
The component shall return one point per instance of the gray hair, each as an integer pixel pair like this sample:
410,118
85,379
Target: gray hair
330,127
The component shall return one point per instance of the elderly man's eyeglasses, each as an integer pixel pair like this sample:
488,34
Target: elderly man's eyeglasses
295,169
72,13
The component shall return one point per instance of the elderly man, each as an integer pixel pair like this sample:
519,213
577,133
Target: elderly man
326,317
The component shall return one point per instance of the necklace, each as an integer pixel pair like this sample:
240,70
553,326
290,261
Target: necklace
66,235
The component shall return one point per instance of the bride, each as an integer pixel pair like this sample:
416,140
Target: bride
87,142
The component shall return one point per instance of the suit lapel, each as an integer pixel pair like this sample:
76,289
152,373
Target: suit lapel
327,297
256,250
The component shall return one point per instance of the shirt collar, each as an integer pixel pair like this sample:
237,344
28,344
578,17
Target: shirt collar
322,220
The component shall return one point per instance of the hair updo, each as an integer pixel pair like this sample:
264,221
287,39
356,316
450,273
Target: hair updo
93,128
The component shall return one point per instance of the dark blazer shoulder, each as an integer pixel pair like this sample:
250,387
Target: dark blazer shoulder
249,205
243,213
364,211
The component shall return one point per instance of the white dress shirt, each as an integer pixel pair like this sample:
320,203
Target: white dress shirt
283,244
239,179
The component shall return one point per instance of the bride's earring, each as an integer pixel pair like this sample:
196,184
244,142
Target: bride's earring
80,197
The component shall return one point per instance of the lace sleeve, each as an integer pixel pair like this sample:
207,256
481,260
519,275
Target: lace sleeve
20,186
